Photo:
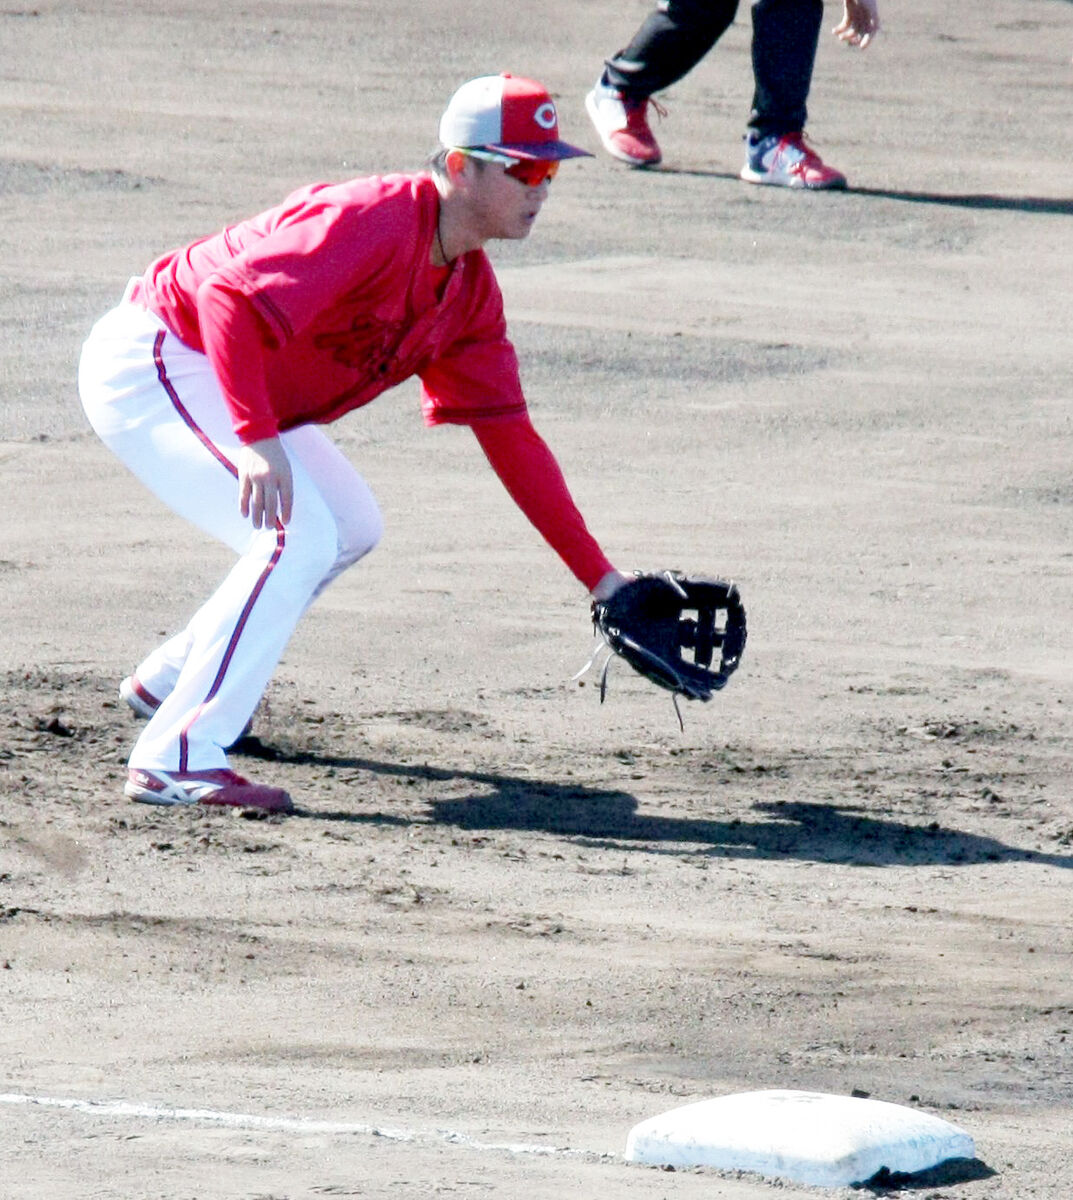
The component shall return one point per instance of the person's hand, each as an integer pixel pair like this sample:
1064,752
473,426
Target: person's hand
265,484
860,23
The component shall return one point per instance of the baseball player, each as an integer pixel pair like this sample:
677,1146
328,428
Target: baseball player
212,376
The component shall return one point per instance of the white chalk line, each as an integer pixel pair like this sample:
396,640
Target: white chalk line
232,1120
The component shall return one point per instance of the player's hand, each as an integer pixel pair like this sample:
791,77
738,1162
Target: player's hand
860,23
265,483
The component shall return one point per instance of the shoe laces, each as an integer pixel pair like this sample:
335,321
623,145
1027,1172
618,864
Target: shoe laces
797,141
637,111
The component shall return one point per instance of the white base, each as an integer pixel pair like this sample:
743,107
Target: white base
804,1137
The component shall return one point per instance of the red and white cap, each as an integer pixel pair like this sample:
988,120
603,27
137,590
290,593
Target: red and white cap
505,113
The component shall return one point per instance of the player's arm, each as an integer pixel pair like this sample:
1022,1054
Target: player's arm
531,474
482,364
234,342
860,23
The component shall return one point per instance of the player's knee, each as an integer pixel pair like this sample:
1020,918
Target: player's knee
358,537
321,543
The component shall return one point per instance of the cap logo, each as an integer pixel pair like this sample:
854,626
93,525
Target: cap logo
545,115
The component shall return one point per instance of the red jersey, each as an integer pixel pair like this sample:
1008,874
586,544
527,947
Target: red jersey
344,302
315,307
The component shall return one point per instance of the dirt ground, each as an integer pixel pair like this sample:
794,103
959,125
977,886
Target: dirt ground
510,922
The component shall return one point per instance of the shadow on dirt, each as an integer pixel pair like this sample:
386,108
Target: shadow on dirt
947,1174
783,829
816,832
975,200
1052,205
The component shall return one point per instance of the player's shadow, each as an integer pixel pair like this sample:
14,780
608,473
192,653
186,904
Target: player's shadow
810,831
972,200
785,829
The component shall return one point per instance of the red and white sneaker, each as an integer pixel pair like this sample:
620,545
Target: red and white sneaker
217,787
143,702
622,123
788,161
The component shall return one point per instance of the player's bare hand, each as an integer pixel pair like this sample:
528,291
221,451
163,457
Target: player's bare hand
860,23
265,483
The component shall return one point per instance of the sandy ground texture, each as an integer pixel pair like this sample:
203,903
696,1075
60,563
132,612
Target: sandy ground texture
510,922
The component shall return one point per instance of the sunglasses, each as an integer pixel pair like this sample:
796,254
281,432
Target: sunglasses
530,172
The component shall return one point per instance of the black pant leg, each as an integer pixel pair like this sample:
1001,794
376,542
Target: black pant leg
785,36
670,42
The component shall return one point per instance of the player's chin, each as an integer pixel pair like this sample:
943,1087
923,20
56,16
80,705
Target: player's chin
525,225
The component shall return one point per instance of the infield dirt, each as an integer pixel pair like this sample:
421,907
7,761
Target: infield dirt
507,912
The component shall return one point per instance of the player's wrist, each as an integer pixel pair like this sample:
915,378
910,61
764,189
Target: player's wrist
609,585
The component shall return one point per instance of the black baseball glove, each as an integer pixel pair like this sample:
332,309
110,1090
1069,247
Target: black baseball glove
646,623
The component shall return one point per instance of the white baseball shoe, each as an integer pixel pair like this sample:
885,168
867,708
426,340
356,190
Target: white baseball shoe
220,787
788,161
143,702
622,123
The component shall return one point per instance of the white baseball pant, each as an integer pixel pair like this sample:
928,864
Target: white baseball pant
157,405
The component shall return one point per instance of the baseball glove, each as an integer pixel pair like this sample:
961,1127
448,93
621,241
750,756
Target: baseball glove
644,622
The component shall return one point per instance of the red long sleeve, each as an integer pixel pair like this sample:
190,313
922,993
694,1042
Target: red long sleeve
234,342
530,473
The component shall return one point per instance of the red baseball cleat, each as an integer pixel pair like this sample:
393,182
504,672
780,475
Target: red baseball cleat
216,787
622,123
141,701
